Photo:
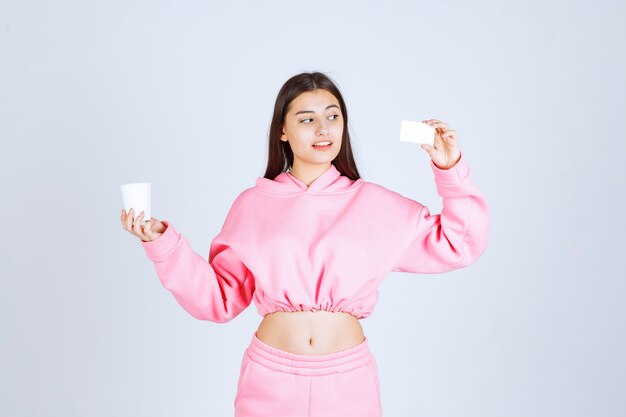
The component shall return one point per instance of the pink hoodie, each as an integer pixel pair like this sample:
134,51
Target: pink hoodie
289,247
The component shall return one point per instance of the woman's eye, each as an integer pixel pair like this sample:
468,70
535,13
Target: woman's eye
335,115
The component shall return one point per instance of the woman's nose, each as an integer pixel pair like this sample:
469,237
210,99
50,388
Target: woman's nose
323,129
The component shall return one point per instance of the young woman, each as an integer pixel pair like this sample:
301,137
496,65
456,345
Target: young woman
309,243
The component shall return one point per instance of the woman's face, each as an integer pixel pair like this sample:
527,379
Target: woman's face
313,117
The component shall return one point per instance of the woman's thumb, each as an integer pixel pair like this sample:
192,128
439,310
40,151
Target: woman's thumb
428,148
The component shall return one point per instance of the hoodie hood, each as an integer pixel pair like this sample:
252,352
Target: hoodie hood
330,181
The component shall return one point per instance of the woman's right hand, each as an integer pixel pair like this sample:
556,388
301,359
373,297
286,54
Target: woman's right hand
146,232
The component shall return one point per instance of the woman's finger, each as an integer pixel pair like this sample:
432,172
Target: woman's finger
148,230
439,125
432,121
450,134
137,225
129,219
439,132
144,229
429,150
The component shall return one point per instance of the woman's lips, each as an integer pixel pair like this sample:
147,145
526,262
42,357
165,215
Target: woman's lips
321,148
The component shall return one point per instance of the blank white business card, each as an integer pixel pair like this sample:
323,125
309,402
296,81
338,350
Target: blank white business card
417,132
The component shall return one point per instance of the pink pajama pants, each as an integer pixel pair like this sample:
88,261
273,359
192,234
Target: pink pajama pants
273,382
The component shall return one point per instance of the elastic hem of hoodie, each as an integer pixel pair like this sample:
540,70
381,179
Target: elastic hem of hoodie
358,316
299,364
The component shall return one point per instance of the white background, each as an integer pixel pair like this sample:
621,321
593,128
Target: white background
94,94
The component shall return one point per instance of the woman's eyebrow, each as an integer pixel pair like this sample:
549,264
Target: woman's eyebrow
309,111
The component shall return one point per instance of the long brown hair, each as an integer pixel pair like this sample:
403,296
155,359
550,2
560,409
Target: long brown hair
280,156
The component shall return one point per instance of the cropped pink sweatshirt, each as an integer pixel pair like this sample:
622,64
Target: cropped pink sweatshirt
327,246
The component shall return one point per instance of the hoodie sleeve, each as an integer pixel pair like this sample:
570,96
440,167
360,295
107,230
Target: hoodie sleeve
455,238
217,290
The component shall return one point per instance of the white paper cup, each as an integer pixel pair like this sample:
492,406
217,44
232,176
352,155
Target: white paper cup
137,196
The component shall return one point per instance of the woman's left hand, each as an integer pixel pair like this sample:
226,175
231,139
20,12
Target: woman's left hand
445,153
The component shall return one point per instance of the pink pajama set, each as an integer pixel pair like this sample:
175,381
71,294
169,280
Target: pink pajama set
290,247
